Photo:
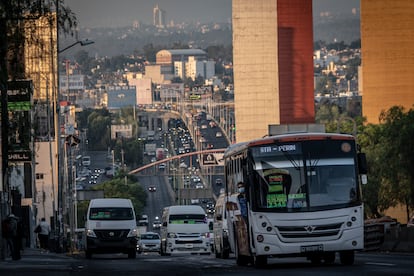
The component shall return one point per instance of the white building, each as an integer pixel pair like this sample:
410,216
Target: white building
143,90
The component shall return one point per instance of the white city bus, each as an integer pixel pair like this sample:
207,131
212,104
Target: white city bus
303,197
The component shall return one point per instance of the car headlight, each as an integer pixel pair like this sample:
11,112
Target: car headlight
133,233
90,233
172,235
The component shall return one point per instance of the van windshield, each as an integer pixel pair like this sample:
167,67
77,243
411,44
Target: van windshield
111,213
188,219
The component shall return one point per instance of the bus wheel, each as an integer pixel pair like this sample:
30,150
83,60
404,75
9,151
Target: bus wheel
329,257
347,257
260,261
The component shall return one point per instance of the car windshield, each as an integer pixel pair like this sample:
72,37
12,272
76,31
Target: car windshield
187,219
149,237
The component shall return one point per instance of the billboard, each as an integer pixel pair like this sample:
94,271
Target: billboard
19,104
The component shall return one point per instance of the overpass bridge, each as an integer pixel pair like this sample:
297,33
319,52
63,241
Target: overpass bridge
220,112
158,118
210,158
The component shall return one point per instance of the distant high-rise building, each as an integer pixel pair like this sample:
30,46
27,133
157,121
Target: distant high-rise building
387,38
273,66
159,17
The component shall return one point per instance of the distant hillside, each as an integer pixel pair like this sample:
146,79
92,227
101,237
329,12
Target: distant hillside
345,29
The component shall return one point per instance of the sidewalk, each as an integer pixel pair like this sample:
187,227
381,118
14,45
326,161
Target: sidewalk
34,258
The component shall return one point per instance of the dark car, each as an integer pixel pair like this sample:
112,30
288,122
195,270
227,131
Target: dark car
219,181
156,224
152,189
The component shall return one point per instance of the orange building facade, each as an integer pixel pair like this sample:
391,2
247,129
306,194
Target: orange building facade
387,39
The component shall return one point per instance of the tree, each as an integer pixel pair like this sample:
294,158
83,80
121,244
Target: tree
125,186
117,188
150,52
17,28
369,139
398,175
389,147
99,130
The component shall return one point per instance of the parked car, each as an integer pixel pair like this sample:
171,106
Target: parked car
149,242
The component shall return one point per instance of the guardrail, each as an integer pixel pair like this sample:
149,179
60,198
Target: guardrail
373,236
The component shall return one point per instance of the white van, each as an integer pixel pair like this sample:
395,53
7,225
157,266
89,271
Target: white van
184,229
111,227
226,207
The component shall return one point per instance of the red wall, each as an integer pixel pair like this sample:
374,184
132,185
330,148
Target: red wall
295,42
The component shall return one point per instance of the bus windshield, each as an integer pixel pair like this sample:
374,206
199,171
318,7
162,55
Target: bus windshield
304,176
111,213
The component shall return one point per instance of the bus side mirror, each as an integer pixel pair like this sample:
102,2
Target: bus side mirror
362,163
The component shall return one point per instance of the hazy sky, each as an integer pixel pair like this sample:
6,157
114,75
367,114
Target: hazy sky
115,13
121,13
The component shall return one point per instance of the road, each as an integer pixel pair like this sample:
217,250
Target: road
153,264
157,200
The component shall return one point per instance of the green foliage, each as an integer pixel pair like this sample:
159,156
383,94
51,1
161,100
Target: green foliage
125,186
99,129
132,150
389,147
150,52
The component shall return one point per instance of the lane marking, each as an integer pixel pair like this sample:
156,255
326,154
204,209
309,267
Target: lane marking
381,264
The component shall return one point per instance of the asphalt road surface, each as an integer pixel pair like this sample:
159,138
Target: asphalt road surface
32,264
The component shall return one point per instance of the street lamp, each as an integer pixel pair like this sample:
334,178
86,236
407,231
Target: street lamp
65,183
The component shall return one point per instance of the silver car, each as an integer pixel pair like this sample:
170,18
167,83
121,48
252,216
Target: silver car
149,242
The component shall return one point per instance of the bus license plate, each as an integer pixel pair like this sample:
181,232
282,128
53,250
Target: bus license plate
312,248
